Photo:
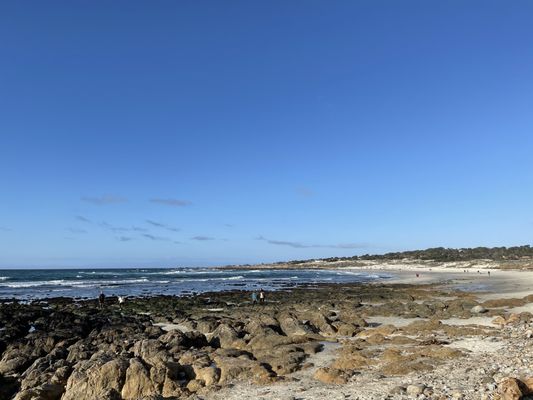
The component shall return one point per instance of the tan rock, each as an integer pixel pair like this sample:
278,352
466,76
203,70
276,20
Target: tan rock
345,329
138,383
331,376
350,360
384,330
233,368
529,384
195,385
209,375
512,389
292,326
513,319
97,378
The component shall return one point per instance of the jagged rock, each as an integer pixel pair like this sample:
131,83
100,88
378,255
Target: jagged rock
98,378
320,322
152,352
349,317
225,336
16,359
195,385
268,340
47,391
232,368
137,383
291,326
283,359
209,375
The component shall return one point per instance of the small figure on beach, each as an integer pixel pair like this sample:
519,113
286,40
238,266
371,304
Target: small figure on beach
417,275
488,272
254,298
101,299
121,300
261,296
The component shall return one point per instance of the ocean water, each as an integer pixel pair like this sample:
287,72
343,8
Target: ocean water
87,283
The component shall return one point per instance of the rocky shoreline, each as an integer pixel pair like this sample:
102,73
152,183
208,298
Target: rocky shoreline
380,341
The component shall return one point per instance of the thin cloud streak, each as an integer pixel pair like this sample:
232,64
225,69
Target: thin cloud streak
161,225
299,245
202,238
104,200
124,238
83,219
172,202
5,229
112,228
155,238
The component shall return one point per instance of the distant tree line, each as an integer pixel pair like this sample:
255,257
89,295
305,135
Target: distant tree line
466,254
443,254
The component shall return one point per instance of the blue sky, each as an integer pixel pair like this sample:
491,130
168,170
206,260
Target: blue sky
210,132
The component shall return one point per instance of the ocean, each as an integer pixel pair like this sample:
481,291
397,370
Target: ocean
29,284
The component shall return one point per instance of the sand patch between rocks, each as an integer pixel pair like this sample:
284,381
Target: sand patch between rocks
478,345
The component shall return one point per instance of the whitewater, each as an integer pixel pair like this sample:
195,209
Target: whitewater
87,283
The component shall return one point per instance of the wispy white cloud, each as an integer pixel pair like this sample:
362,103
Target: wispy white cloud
161,225
300,245
113,228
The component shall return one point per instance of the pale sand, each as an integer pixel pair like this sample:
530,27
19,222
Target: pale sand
500,284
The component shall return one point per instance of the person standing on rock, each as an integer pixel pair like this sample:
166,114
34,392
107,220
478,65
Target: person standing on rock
101,299
261,296
254,298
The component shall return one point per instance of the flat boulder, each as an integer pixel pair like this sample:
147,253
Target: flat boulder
332,376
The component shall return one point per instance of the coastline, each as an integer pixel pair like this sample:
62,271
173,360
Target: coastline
444,334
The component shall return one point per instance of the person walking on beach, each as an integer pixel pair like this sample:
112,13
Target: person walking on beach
261,296
101,299
254,298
